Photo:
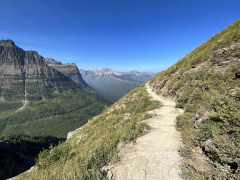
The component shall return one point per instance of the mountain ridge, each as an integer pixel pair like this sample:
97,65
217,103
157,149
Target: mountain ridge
71,71
113,84
110,71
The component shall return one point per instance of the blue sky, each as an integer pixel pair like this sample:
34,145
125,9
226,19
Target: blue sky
124,35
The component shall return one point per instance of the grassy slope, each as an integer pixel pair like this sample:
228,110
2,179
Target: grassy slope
228,36
210,93
200,91
84,159
66,112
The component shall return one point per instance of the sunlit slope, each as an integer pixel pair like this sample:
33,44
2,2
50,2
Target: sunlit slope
228,36
206,84
90,148
203,83
57,116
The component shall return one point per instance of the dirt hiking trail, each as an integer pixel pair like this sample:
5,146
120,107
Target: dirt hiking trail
154,156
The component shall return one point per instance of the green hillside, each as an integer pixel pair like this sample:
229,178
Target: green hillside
37,100
56,117
204,83
83,158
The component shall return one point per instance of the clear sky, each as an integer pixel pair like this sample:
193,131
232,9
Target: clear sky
124,35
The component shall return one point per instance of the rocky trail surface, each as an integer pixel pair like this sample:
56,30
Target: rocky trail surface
154,156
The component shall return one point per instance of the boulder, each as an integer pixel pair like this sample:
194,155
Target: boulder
224,63
198,122
220,52
71,133
208,144
196,117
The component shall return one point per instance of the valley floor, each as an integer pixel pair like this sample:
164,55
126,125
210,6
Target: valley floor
154,156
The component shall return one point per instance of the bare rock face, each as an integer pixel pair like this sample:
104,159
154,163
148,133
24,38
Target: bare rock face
69,70
24,75
52,62
71,133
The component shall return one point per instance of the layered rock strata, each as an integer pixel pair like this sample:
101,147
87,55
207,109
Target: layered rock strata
69,70
24,75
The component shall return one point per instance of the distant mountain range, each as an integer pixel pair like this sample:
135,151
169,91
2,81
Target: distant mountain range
109,83
113,84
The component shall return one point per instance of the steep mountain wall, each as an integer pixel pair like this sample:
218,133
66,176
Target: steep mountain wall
24,75
71,71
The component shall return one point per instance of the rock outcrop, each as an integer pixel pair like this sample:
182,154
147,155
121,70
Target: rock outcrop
69,70
24,75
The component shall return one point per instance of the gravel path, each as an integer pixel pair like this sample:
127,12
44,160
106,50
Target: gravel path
154,156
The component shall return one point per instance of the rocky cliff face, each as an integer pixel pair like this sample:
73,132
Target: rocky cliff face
24,75
69,70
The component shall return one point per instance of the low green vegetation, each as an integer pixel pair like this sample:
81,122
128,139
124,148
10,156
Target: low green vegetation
210,96
9,105
95,145
211,92
7,113
56,117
